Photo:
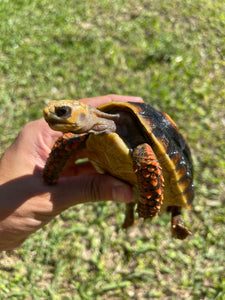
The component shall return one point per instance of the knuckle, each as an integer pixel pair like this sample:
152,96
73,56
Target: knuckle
95,188
98,188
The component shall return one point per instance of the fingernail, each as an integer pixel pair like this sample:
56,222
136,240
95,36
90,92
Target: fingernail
122,192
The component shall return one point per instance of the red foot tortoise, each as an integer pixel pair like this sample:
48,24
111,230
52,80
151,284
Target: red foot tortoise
133,142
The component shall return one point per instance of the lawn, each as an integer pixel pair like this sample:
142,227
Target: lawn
171,53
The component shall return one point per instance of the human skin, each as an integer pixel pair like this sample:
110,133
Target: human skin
26,203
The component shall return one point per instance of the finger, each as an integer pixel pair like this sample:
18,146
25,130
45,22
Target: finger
96,101
38,133
31,147
43,139
89,188
78,165
125,98
78,169
47,136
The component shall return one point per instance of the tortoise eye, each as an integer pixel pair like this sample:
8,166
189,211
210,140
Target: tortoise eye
63,112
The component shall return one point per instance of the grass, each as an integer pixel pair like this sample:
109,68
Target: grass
171,53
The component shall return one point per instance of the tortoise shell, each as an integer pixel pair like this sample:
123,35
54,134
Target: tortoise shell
168,144
134,142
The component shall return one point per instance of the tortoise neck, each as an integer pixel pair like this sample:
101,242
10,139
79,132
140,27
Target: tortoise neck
104,122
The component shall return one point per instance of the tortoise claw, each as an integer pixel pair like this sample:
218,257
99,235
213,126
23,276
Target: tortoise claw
178,230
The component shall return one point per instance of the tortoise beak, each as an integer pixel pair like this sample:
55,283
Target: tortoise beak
56,116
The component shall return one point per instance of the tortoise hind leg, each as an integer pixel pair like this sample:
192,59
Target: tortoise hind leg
178,229
129,218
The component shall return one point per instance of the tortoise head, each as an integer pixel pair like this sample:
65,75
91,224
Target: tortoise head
68,115
77,117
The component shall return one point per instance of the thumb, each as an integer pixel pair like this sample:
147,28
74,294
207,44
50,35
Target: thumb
90,188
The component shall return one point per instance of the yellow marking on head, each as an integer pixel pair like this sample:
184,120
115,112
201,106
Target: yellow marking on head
67,115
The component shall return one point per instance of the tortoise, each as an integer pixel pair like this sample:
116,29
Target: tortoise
133,142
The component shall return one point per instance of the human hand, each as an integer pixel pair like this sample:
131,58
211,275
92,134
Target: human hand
26,203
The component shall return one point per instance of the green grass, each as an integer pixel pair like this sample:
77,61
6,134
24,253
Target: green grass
172,54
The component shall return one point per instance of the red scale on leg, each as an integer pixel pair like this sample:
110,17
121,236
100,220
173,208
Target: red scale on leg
149,180
62,150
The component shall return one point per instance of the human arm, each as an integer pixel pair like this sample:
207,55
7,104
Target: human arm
26,203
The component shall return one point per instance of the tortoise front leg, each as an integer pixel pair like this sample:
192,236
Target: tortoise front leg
178,229
63,149
149,181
